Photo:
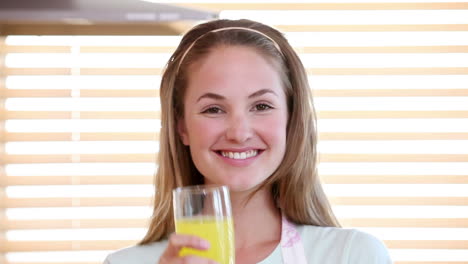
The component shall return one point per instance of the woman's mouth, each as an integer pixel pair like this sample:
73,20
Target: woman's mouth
239,155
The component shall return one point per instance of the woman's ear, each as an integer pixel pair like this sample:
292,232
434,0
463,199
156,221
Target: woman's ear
182,131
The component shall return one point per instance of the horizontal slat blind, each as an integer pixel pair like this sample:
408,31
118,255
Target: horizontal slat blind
3,218
390,79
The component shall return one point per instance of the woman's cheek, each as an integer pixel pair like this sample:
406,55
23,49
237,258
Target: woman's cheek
207,129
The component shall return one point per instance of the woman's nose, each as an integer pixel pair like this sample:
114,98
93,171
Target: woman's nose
239,128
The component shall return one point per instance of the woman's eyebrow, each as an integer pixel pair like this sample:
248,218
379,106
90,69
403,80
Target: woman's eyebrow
262,92
220,97
212,96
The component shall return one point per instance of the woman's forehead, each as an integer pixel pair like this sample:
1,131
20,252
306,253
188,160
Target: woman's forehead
232,68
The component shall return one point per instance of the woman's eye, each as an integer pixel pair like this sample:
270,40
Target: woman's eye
262,107
212,110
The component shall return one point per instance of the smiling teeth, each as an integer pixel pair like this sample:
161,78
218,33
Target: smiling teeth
239,155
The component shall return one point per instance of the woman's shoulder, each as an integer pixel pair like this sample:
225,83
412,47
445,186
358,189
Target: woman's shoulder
366,248
350,245
143,254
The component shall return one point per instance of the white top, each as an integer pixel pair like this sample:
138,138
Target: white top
322,245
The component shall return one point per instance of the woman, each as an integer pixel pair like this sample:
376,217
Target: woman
237,110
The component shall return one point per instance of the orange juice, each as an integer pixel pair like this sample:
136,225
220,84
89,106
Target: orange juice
220,234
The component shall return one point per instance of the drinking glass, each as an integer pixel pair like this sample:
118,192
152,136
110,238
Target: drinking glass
205,211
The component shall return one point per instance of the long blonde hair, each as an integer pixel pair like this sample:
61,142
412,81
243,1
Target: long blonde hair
295,184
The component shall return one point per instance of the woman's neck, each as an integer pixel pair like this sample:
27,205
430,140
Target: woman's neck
256,221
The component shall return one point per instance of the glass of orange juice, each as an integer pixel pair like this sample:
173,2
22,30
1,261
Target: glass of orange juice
205,211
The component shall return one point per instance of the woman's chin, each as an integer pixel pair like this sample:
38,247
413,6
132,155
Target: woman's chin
239,186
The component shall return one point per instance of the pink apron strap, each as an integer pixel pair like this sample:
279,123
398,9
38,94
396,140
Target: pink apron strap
291,244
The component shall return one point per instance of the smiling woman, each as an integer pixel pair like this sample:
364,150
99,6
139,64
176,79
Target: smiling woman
237,111
80,115
228,113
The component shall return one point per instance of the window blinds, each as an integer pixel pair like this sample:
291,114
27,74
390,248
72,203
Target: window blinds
80,120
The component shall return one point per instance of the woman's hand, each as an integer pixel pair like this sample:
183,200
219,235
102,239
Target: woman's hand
176,242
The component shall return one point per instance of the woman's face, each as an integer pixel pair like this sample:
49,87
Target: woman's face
235,117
